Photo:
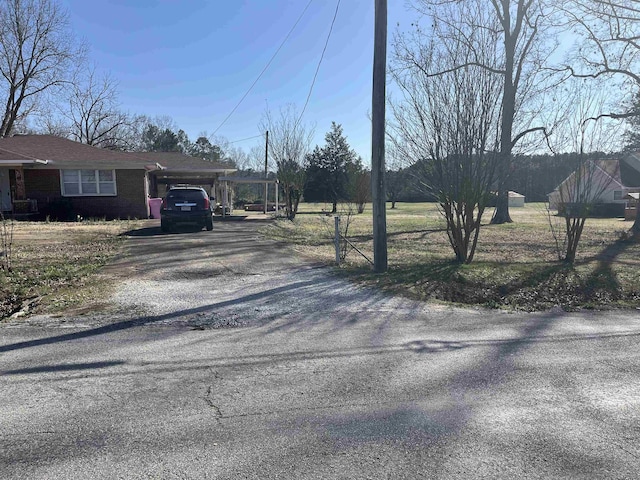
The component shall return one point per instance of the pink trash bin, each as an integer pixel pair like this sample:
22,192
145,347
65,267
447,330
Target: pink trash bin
154,207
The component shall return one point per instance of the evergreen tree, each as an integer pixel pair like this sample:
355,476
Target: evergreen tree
155,139
203,148
328,169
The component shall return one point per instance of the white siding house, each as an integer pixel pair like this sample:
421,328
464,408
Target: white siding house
601,181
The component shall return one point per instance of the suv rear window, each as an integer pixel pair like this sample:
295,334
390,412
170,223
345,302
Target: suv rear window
186,195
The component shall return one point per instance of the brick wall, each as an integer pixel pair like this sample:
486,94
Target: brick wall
42,185
131,201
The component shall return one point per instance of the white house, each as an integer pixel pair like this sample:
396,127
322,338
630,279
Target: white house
600,181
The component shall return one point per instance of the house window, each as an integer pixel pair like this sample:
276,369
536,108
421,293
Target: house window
88,182
617,194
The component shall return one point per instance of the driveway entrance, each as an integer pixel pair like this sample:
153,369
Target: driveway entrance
229,358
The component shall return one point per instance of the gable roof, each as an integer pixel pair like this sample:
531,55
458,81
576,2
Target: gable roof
56,152
611,167
624,172
49,151
630,170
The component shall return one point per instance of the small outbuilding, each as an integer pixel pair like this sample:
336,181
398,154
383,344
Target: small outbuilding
516,199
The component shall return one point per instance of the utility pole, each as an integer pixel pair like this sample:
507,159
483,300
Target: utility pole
378,170
266,185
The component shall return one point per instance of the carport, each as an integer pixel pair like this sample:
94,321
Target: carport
266,181
210,179
173,168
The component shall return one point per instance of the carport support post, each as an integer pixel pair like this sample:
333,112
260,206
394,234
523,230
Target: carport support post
266,197
225,200
337,238
266,161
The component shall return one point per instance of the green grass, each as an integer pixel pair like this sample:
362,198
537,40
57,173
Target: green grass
516,265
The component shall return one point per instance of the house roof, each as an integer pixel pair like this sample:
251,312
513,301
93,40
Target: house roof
48,151
611,167
180,161
624,171
630,170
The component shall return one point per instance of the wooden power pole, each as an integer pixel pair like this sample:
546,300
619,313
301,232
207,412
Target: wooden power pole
266,185
378,170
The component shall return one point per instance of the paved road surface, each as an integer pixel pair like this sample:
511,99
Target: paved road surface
227,358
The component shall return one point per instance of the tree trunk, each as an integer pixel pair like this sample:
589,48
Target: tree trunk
334,207
501,213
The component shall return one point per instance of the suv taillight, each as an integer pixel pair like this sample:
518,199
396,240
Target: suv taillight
206,203
164,203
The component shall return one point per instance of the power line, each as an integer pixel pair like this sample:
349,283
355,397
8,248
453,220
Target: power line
265,68
315,76
248,138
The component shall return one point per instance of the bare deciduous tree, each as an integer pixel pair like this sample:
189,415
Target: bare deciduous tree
289,142
94,114
610,33
519,30
255,159
6,242
576,197
610,49
36,51
448,126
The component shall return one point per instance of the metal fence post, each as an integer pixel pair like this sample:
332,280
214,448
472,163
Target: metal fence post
337,239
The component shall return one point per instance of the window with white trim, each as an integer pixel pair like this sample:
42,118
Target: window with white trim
77,183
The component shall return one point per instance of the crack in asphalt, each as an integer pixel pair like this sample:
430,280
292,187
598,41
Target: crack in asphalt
216,410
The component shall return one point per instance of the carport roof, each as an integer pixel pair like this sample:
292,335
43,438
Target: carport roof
176,161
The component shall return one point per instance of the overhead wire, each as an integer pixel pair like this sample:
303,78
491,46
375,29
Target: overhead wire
265,68
248,138
315,76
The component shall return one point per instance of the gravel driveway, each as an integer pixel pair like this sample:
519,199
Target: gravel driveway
231,276
227,357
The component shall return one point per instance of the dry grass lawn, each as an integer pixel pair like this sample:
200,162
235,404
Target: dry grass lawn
516,265
56,265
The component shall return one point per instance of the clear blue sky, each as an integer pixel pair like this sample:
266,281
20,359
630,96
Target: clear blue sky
193,60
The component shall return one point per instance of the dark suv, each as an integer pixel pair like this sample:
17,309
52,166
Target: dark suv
186,204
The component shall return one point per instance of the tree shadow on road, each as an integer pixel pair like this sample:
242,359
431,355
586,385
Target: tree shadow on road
147,320
63,367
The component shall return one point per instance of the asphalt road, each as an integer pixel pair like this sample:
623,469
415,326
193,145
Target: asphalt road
224,356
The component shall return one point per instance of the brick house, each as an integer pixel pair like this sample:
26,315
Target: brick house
48,175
